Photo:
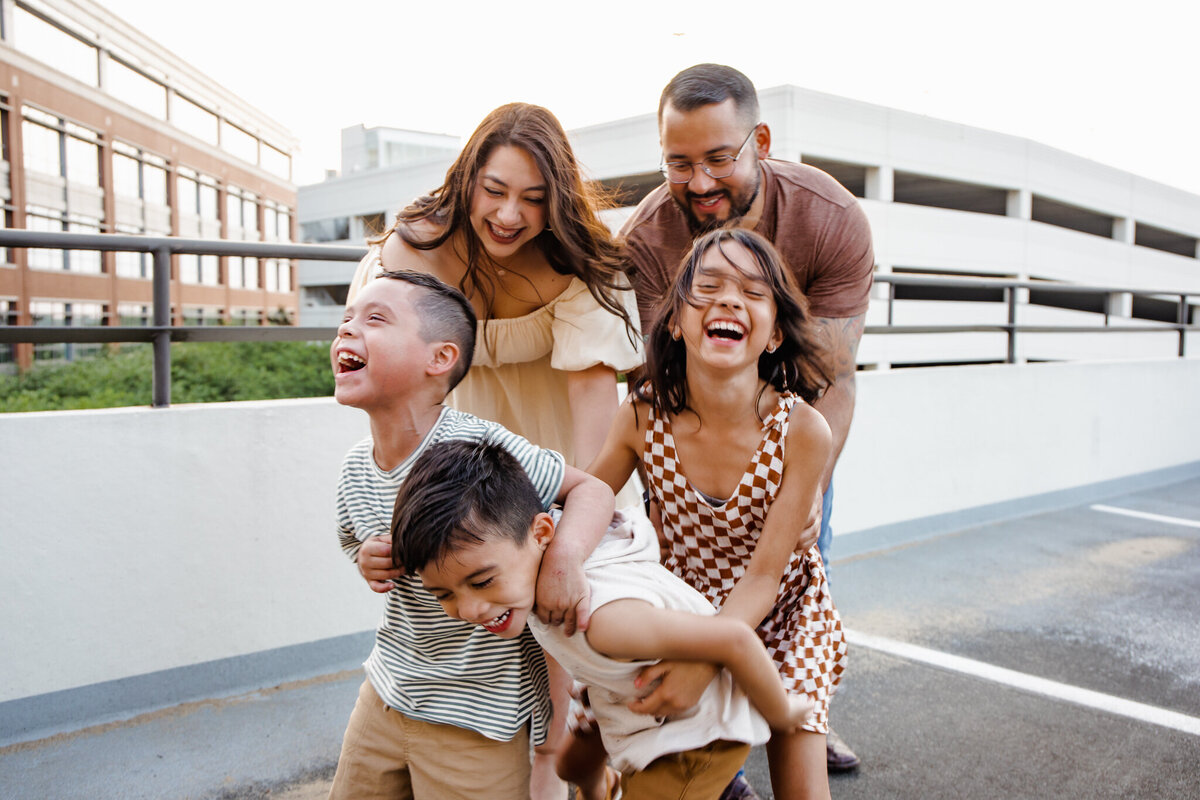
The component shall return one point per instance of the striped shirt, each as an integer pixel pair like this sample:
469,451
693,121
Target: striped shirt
425,664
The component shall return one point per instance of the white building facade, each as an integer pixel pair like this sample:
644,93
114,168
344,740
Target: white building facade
943,199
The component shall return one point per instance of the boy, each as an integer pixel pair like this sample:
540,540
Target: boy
447,710
469,523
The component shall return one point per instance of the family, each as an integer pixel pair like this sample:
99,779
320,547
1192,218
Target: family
537,631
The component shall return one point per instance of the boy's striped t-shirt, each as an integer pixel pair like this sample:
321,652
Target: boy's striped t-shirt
425,664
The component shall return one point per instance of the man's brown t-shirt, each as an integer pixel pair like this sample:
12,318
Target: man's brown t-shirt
816,224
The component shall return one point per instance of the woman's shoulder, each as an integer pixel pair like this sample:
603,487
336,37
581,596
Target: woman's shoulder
398,251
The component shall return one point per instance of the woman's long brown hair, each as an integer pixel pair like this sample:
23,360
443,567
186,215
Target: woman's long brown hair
575,241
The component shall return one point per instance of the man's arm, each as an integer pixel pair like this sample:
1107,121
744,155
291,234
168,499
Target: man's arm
634,629
841,337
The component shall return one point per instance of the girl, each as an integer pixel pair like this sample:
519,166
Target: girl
733,453
515,228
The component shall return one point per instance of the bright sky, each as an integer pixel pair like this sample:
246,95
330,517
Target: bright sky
1112,81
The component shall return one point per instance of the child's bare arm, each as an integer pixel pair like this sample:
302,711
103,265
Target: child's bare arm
618,457
634,629
808,447
563,596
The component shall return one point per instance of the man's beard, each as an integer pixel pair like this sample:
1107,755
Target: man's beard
699,227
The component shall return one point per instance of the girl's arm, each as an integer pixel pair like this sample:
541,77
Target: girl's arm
808,447
634,629
622,448
592,397
562,588
753,597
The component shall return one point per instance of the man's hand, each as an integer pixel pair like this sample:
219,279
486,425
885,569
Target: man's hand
375,564
679,686
563,597
812,528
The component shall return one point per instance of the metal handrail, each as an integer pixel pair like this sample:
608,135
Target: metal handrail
1012,328
162,332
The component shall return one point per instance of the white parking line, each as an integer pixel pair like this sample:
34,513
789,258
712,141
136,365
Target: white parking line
1128,512
1029,683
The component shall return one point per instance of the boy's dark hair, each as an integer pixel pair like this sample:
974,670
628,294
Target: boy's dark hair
706,84
446,315
798,365
460,493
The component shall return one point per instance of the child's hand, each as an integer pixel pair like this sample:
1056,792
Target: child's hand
563,597
375,564
679,686
799,708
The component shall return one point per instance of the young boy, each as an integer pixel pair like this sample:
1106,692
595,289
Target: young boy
447,710
469,523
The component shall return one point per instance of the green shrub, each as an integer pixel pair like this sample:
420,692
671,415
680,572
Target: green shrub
200,373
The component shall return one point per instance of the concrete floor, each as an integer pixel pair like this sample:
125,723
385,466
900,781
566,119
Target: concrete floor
1054,656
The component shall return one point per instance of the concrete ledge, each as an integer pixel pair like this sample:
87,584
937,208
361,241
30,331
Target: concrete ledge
49,714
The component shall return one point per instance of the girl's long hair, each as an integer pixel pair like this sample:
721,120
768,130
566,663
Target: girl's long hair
575,241
798,365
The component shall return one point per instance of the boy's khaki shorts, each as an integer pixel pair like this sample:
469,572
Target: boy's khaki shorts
388,755
700,774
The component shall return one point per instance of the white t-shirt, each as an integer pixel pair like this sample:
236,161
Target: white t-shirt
625,566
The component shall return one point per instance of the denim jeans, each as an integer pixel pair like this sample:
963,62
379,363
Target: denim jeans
825,537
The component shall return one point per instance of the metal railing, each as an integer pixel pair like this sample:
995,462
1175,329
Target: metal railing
1011,290
161,333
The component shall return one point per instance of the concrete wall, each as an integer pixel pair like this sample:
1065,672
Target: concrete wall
169,548
934,441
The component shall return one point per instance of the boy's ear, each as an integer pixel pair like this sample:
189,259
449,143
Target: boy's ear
442,359
542,530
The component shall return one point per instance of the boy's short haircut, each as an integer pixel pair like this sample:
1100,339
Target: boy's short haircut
446,315
460,493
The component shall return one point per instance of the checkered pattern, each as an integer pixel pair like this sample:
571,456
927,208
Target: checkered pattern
710,548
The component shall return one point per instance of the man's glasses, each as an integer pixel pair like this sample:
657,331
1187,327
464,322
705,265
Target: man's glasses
716,167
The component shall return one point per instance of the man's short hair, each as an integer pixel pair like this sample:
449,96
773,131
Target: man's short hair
706,84
446,315
460,493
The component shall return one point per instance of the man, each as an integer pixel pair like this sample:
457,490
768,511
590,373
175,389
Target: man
715,160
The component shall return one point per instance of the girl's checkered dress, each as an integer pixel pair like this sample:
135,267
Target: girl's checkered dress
710,547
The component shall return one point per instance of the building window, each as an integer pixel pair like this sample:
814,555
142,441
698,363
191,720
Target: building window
241,222
135,315
52,44
325,230
8,316
191,118
140,190
277,227
239,143
201,315
196,195
62,187
246,316
136,89
65,313
276,162
202,270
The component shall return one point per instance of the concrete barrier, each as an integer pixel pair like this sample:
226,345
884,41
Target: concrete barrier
153,557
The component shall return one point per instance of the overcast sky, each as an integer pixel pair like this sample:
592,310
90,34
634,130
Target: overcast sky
1112,81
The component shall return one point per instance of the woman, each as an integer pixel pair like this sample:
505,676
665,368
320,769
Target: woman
516,229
